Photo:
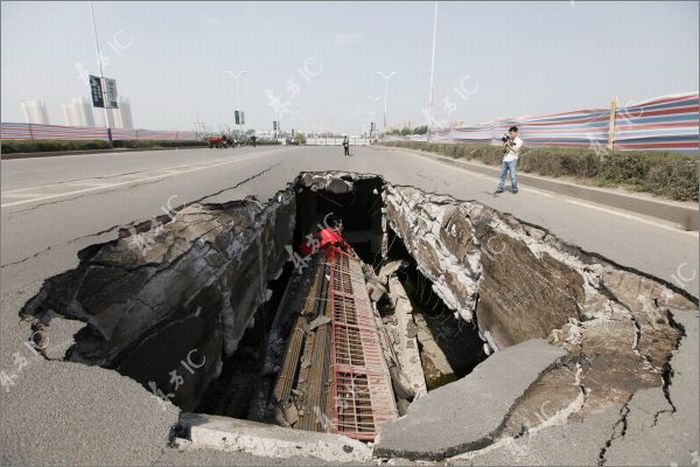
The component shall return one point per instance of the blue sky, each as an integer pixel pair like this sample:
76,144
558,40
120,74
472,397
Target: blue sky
513,58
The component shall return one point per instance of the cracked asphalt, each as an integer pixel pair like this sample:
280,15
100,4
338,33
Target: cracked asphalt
67,413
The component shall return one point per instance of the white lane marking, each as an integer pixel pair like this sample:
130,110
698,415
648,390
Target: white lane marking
568,200
129,182
117,153
631,216
21,195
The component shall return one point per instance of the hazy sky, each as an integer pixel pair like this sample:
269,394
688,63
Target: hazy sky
512,58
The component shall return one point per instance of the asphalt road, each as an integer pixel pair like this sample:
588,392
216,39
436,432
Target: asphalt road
53,207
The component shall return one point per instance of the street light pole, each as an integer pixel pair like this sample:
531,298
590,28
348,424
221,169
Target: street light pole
237,77
432,77
386,91
103,84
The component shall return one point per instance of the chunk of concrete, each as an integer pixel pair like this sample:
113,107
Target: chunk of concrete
231,434
575,443
467,414
407,345
658,433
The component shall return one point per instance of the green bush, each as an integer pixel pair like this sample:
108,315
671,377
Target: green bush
665,174
299,138
10,147
135,144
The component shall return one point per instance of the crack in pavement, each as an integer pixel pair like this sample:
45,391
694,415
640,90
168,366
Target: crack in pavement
48,248
35,255
135,184
39,205
668,372
131,182
622,421
238,184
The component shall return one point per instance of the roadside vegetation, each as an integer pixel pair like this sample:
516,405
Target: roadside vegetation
10,147
670,175
299,138
419,130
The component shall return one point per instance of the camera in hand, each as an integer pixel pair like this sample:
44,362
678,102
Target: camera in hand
506,138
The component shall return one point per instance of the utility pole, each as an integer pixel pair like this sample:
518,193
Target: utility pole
386,91
432,76
103,84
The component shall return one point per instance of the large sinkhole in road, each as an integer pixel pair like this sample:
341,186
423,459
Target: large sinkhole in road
245,309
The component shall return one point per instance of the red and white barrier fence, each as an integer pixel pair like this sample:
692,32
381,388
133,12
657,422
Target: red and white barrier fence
31,131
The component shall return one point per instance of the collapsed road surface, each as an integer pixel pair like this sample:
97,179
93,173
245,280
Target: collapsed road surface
56,412
575,338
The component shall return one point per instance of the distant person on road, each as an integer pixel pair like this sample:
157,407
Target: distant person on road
253,139
346,145
511,149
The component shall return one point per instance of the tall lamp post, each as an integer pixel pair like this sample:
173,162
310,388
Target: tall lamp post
237,77
432,76
103,84
386,91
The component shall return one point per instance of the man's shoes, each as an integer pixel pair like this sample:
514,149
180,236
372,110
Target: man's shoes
515,192
499,191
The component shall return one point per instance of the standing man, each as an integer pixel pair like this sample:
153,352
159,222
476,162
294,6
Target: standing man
511,148
346,145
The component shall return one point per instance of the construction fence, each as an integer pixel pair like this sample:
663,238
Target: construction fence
31,131
668,123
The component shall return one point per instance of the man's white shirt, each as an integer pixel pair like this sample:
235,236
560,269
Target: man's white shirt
512,154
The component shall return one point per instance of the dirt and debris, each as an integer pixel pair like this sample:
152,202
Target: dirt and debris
449,283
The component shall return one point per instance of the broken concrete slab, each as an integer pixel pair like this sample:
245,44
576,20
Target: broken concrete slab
662,429
519,282
388,269
188,456
614,323
230,434
437,370
406,346
467,414
174,296
571,444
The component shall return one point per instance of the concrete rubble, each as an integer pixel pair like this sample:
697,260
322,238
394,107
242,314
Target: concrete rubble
229,434
586,352
405,339
518,282
166,293
467,414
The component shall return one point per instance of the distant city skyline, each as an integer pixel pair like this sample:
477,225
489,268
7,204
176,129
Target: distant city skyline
313,65
78,112
35,111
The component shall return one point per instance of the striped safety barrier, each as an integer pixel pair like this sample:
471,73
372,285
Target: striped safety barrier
668,123
31,131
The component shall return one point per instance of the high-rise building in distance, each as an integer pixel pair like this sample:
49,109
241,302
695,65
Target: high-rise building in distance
78,112
35,112
118,118
123,118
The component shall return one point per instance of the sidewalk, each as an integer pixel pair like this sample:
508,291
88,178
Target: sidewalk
685,214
